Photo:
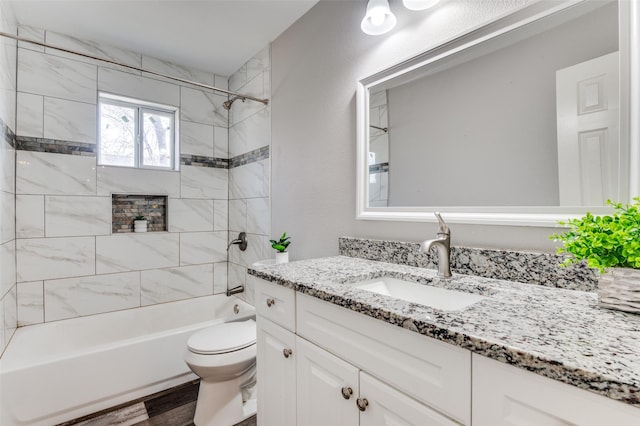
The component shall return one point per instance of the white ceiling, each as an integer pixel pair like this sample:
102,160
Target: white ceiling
209,35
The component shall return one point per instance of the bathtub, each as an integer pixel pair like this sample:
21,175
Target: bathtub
62,370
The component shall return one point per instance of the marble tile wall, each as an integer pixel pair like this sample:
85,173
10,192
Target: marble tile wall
69,262
249,169
8,288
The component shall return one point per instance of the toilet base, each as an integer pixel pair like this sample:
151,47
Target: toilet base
220,404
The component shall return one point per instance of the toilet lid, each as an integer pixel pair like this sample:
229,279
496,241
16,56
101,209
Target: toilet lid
223,338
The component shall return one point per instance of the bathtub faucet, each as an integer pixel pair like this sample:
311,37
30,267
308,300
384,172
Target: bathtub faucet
443,246
241,241
235,290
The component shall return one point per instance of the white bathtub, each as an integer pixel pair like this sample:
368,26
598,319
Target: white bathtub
58,371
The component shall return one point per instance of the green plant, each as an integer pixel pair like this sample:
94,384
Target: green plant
282,244
140,217
604,241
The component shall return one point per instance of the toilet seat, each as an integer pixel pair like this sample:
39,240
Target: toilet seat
223,338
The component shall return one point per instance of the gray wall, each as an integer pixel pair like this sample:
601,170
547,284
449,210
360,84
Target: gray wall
315,66
493,119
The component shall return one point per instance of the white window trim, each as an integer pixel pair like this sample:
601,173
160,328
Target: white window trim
141,107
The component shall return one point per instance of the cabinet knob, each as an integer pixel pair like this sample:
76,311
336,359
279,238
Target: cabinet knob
347,392
287,352
270,302
362,403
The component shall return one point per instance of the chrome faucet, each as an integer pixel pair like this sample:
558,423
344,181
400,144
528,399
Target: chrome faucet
443,247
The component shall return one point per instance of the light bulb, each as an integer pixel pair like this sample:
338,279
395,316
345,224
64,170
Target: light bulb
378,19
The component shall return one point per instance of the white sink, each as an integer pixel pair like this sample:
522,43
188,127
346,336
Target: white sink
439,298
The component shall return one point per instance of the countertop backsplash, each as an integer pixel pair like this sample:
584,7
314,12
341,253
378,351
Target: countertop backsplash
524,267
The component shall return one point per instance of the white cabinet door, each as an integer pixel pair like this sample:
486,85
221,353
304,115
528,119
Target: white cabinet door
327,388
386,406
504,395
276,375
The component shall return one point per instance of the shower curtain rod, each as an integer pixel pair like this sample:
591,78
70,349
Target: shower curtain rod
182,80
384,129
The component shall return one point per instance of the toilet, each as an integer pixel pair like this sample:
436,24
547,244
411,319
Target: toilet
224,357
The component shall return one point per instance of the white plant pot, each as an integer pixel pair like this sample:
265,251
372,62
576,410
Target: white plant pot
140,226
619,289
282,257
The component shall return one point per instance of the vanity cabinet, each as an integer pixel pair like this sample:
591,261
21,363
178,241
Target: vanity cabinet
319,362
435,374
342,361
504,395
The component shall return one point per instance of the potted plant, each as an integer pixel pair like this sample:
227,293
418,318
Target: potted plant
611,245
140,224
280,246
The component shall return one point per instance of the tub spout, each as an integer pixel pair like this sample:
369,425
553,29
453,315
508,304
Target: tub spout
235,290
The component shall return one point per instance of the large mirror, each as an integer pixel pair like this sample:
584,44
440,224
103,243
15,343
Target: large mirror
524,121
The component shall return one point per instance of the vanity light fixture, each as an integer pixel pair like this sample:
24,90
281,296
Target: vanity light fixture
419,4
379,19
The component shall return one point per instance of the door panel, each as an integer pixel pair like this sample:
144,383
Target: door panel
276,375
321,380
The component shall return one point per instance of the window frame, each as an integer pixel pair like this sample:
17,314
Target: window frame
141,107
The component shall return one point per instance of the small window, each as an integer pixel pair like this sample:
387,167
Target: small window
136,133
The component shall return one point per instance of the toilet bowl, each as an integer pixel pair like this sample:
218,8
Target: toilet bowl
224,357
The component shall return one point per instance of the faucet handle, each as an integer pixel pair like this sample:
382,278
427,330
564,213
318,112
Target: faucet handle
444,228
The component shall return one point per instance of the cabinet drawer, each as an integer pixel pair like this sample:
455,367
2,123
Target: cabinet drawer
275,303
434,373
505,395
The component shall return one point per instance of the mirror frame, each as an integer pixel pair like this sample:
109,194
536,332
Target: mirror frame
546,216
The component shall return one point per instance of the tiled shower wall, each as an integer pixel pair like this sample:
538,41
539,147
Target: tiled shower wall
68,262
378,150
7,177
249,168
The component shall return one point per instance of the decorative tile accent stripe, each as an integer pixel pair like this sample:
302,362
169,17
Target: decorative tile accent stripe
250,157
379,168
7,133
202,161
524,267
55,146
125,208
224,163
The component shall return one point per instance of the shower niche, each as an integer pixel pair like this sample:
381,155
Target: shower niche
126,207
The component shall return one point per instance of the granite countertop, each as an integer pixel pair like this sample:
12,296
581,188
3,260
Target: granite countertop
557,333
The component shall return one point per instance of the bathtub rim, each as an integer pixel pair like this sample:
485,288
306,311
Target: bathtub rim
10,362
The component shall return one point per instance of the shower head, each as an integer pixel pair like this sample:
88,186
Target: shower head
227,104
